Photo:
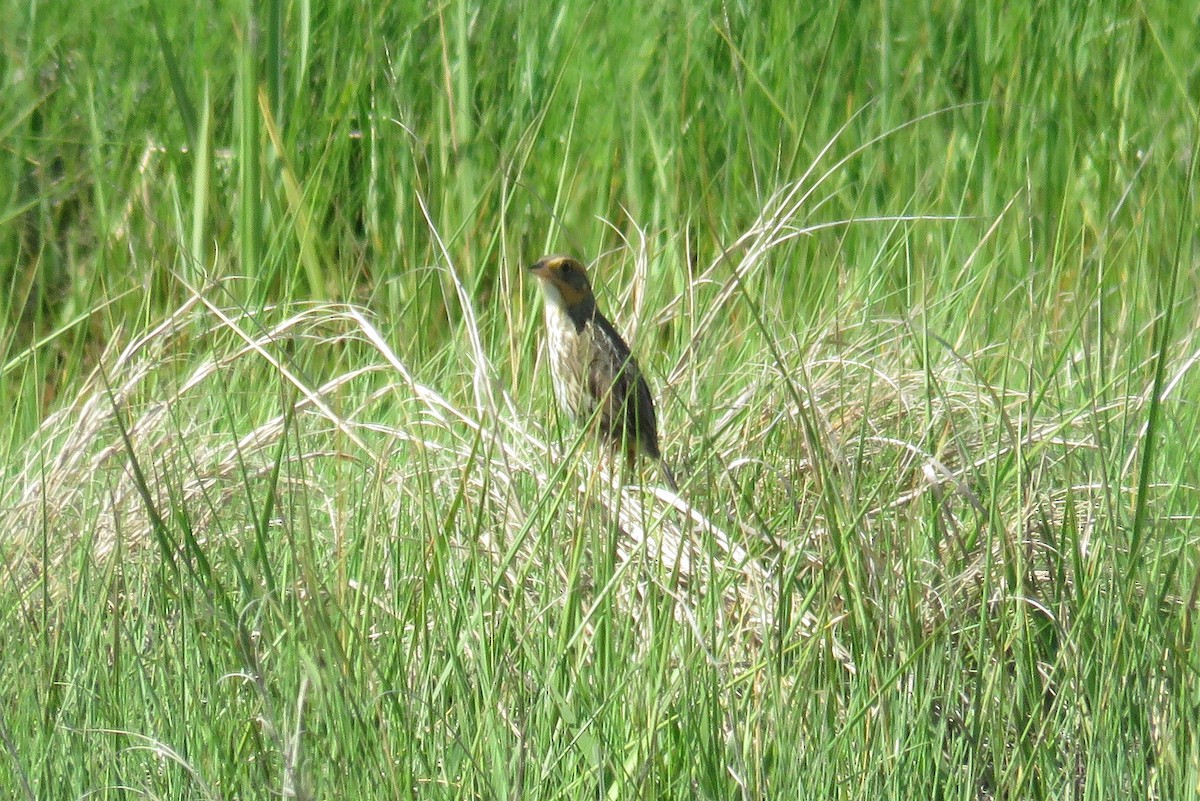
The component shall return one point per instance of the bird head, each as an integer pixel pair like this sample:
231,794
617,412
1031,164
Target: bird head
564,282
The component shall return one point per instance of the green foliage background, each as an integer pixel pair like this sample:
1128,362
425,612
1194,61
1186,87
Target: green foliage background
1001,206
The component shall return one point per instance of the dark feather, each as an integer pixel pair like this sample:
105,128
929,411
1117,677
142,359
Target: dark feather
614,380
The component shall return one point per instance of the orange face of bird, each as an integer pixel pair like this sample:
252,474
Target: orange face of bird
563,280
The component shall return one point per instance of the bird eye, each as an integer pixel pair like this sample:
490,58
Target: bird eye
565,268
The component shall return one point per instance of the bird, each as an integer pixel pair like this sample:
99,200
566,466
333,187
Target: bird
593,370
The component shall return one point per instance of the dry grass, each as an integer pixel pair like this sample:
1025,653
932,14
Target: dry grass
834,430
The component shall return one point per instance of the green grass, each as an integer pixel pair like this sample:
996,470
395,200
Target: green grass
285,505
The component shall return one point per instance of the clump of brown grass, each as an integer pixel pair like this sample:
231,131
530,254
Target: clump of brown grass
143,445
834,428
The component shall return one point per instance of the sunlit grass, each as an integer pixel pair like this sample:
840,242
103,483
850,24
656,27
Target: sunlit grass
287,508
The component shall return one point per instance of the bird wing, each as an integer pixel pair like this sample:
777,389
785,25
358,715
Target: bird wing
614,380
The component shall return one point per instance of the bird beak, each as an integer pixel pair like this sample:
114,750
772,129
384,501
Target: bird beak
537,267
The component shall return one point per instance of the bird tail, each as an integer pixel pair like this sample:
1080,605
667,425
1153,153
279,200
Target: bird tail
668,476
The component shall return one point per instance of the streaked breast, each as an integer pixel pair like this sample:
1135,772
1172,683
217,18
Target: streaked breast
570,354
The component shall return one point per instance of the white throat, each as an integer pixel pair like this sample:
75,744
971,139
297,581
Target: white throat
552,296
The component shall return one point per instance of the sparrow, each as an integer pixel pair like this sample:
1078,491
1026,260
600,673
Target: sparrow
594,372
